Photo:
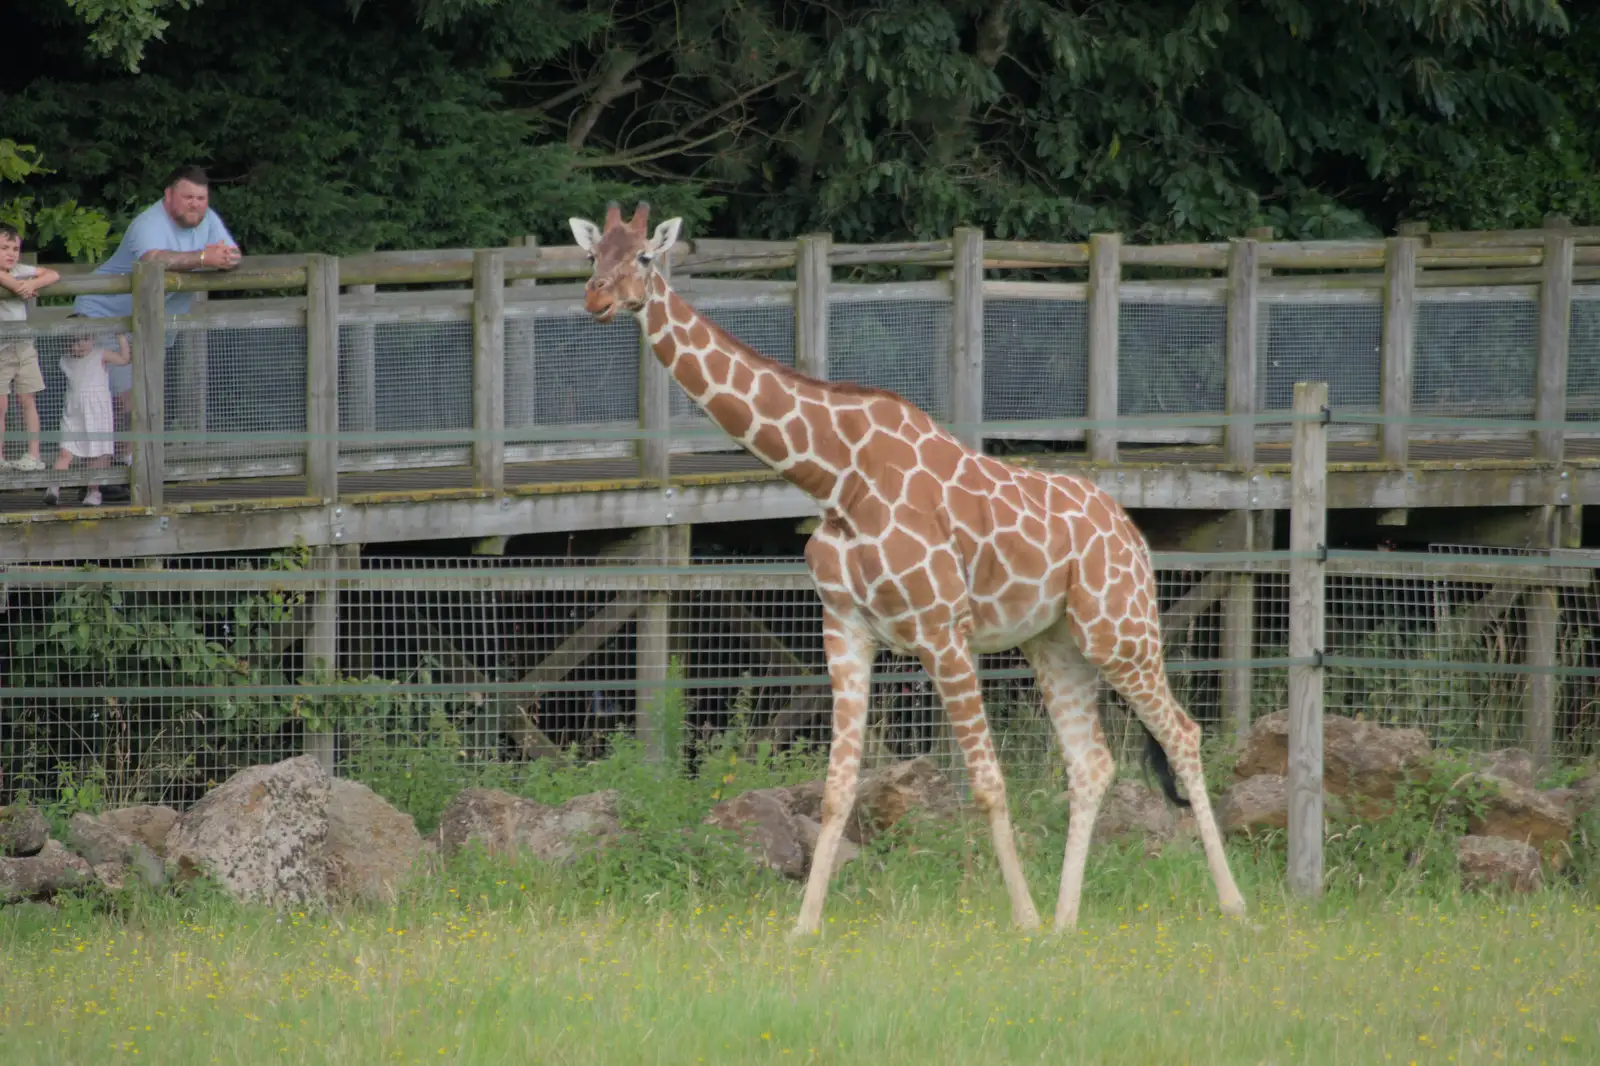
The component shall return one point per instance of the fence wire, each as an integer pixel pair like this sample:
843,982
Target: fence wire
1035,359
1476,355
1171,357
154,679
1340,343
1583,355
899,345
235,381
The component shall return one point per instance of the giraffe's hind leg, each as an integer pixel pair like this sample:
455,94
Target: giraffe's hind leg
1069,684
954,670
1128,651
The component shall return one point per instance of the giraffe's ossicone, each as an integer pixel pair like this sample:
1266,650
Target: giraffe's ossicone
934,550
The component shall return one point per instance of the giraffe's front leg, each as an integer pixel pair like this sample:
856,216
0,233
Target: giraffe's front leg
954,670
850,654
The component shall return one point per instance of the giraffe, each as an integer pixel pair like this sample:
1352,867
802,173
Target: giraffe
931,549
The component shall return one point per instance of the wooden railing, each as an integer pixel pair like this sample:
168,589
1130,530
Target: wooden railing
496,289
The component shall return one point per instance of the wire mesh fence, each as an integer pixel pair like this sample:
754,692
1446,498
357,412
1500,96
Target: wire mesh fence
899,344
1477,353
1171,354
1334,340
1583,355
414,376
155,679
232,381
1035,359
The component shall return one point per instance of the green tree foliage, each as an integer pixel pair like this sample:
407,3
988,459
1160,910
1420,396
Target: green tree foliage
345,126
82,231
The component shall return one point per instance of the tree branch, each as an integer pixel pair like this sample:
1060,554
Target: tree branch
648,150
613,85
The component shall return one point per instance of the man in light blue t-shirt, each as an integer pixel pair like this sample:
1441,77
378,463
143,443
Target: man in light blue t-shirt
182,232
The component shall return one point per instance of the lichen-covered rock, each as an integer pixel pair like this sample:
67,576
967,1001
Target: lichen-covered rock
371,847
23,831
1513,812
913,788
148,825
260,834
772,834
810,830
1512,764
41,876
99,845
505,824
1132,809
1495,862
1258,802
1361,760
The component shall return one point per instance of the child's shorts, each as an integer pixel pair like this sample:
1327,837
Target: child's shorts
19,362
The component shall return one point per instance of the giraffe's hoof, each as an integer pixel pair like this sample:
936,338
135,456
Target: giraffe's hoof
1233,908
1027,921
801,934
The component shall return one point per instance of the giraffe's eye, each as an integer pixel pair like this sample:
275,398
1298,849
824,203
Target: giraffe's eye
645,258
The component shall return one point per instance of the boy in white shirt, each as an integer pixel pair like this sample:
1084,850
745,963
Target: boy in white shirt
19,359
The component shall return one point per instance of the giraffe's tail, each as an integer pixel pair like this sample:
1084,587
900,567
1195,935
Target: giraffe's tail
1156,756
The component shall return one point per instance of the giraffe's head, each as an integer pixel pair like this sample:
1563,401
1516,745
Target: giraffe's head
624,258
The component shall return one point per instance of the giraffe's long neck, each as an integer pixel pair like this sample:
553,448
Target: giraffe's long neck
779,418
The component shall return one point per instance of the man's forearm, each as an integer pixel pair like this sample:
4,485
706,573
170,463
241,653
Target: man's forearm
179,261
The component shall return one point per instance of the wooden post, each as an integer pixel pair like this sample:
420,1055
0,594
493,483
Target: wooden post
488,369
1555,319
322,642
1399,343
1308,524
149,345
966,337
322,377
1105,276
522,377
812,276
1539,721
655,408
666,545
1239,439
358,368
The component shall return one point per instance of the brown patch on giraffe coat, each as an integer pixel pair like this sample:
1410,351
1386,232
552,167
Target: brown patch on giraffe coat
655,317
772,399
989,571
852,490
947,575
689,374
743,379
826,444
889,600
768,442
822,559
967,508
887,414
1092,564
811,479
852,424
799,436
717,365
866,564
1098,513
940,457
972,477
871,514
731,413
1005,515
924,493
1033,530
901,550
700,335
966,544
1027,561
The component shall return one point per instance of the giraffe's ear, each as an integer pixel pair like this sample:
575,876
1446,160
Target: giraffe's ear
666,236
586,233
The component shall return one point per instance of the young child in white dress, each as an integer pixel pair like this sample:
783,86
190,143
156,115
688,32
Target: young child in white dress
88,418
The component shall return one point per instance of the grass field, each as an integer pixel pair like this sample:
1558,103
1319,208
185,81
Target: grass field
479,968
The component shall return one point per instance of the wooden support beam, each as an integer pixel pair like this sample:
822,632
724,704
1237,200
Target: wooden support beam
1399,344
358,366
1308,530
966,337
322,639
489,370
522,368
807,703
1105,279
1539,718
149,345
501,714
666,545
1239,440
812,278
1555,318
322,377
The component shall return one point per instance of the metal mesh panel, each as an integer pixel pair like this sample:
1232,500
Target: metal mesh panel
768,328
567,369
1583,356
49,351
1476,357
154,683
420,375
1035,359
899,345
1340,343
226,381
1171,357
